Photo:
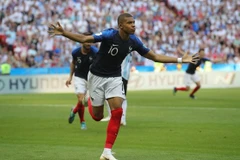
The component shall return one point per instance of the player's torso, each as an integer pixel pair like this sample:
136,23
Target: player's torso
111,55
115,50
82,63
192,67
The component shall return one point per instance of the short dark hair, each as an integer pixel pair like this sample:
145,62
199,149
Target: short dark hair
122,16
201,49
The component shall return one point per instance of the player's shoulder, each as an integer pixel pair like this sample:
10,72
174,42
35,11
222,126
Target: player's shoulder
110,31
76,50
106,33
94,49
135,38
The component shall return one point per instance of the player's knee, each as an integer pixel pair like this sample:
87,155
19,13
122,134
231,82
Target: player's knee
97,117
80,100
199,86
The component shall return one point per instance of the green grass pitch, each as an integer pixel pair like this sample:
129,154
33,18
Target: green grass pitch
160,126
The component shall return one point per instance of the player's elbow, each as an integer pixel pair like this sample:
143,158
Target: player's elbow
87,39
80,39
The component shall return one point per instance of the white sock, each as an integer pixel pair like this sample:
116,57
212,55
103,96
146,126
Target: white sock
124,107
107,151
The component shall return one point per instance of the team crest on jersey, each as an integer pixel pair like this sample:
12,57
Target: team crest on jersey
90,58
130,49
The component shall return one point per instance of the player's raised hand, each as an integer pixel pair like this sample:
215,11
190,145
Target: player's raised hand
68,82
190,59
54,30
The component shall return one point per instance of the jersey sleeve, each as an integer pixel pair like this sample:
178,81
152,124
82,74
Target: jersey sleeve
74,52
105,34
140,47
94,49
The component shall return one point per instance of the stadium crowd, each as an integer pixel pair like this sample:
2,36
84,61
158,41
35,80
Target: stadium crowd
165,26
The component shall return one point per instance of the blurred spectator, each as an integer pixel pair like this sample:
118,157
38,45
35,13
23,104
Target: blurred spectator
163,25
5,68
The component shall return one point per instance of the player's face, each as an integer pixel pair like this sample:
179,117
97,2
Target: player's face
87,46
201,54
128,25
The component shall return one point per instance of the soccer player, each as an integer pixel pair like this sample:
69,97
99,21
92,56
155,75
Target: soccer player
82,58
104,78
191,75
126,67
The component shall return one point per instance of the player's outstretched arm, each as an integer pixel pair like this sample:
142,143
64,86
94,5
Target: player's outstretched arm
57,29
167,59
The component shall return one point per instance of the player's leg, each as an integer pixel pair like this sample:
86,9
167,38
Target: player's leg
80,86
81,111
124,105
96,96
187,82
106,88
109,113
196,79
198,86
113,127
115,96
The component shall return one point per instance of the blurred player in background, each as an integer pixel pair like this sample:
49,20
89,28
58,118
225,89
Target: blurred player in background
105,81
82,58
191,75
126,68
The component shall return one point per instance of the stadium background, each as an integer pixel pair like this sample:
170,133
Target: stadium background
159,125
162,25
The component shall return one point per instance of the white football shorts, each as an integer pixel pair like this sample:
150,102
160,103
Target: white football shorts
189,78
80,85
102,88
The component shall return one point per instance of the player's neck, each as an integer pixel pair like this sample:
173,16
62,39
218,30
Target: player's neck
124,36
84,51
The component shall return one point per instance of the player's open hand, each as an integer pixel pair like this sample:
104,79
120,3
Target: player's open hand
55,29
68,82
190,58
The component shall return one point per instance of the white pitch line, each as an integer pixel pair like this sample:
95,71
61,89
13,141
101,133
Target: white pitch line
133,106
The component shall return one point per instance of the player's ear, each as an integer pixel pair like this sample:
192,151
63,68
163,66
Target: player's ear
120,25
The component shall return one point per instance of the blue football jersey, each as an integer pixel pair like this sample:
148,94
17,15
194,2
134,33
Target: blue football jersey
192,67
83,62
112,52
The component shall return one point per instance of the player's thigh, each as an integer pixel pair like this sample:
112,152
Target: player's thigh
114,92
115,102
80,86
187,79
196,78
96,89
